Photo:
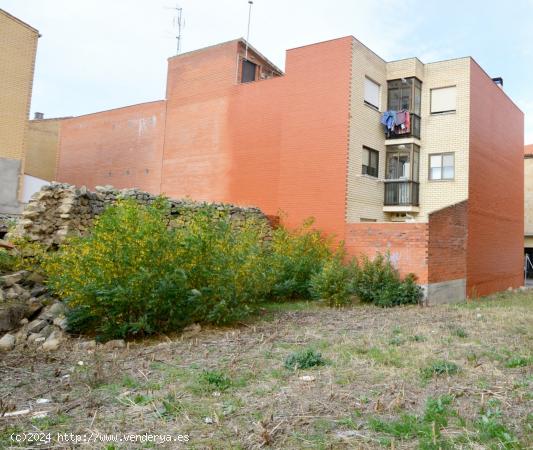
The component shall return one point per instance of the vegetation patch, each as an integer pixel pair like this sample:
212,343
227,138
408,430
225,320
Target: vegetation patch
440,368
304,359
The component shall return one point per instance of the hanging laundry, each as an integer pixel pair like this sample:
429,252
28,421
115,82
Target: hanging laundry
388,118
400,118
405,126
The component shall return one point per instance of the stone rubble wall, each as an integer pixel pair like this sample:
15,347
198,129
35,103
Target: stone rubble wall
59,210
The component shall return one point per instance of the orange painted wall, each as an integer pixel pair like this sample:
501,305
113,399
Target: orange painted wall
279,144
197,157
496,189
314,151
122,147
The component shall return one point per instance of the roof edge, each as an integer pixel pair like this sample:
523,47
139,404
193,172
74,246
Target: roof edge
16,19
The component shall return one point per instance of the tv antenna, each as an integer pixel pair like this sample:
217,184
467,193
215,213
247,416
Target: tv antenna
250,3
178,23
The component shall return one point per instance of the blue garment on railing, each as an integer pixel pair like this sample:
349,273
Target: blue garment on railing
388,118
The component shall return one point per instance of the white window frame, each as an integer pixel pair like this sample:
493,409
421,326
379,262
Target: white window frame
449,106
368,98
441,155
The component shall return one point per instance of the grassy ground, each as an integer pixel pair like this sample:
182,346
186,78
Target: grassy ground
440,377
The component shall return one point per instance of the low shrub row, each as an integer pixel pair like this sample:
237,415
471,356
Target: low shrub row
135,275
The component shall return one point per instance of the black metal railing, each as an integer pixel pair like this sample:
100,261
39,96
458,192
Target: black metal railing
401,193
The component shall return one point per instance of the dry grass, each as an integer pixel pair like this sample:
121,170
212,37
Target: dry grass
228,388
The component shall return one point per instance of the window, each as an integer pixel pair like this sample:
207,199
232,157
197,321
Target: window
404,94
371,93
399,158
370,162
443,100
248,71
441,166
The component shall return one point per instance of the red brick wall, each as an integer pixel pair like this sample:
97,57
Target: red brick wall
122,147
496,189
407,244
448,230
279,144
314,150
197,159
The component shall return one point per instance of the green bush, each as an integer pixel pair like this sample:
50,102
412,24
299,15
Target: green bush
304,359
7,261
378,282
294,257
133,275
335,282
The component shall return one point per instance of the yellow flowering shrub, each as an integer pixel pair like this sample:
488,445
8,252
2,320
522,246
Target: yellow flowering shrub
135,275
295,256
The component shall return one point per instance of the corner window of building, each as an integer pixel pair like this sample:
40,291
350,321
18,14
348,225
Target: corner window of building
443,100
442,166
372,93
402,162
249,70
370,162
405,94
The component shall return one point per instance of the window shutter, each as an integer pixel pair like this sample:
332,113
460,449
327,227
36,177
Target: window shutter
443,99
371,92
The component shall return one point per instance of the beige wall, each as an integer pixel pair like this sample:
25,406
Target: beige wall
364,196
42,145
445,133
528,200
18,46
439,133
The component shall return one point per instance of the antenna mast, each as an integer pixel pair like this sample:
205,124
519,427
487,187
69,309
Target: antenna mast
250,2
180,25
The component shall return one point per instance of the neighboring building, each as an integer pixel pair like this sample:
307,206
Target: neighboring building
42,147
18,46
443,194
528,201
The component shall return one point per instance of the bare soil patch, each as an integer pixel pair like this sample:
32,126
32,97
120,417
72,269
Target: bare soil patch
228,388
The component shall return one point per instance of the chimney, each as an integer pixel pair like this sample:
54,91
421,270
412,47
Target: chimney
498,81
38,116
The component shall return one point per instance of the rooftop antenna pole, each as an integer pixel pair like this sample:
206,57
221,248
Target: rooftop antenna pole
250,2
180,24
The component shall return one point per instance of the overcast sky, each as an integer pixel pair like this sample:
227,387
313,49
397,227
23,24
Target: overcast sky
100,54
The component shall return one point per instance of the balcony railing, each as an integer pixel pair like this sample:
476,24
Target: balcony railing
401,193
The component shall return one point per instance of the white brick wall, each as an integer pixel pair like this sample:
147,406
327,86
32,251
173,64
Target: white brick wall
365,194
439,133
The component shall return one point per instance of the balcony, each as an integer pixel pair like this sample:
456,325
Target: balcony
411,128
401,196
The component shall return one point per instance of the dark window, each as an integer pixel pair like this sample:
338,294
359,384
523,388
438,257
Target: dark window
370,162
248,71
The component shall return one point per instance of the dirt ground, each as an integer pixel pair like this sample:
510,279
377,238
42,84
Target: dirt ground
228,388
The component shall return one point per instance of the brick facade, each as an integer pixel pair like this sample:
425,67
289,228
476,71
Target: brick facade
406,243
121,147
447,241
496,189
42,148
18,47
291,144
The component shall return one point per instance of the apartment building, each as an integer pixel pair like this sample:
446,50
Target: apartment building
421,161
18,47
528,201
